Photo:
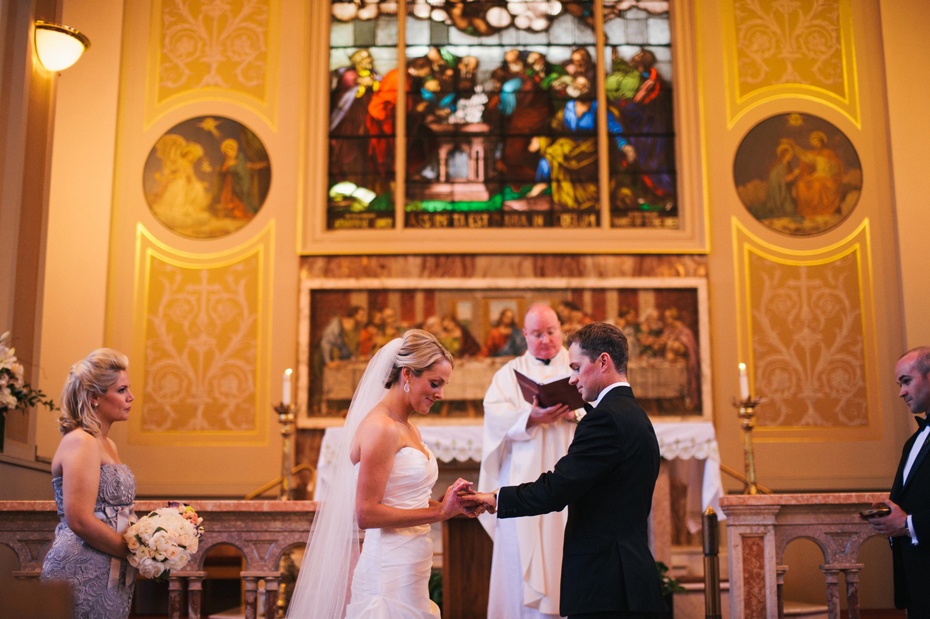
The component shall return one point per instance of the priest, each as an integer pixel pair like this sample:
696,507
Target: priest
521,441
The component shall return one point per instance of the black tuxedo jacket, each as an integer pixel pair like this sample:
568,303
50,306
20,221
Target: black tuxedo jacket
606,480
912,563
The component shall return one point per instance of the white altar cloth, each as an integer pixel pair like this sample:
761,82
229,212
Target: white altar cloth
688,440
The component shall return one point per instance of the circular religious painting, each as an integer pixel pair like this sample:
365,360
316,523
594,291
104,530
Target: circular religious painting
797,174
207,177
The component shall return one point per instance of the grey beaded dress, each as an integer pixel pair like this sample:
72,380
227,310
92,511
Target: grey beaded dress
101,585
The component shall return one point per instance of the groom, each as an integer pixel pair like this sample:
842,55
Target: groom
606,480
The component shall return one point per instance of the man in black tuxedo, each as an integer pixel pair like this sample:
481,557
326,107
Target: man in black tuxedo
606,479
908,525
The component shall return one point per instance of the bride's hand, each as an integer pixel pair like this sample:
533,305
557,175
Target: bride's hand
453,504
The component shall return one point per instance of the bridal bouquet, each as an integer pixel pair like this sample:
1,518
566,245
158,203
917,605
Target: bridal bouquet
164,540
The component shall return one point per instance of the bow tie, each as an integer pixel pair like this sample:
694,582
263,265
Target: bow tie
921,423
543,361
588,408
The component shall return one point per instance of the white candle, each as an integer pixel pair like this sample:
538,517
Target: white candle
743,382
286,394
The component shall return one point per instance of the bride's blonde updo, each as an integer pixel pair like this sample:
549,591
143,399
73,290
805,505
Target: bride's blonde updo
95,373
419,351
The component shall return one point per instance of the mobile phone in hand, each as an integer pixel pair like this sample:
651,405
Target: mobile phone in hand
875,513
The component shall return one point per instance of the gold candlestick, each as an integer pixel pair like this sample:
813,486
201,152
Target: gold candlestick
286,419
748,414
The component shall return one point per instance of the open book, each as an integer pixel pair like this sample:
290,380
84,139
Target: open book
549,393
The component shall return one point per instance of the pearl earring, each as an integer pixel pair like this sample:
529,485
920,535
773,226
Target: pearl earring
406,387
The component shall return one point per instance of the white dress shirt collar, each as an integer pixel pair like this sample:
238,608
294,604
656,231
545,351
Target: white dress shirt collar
604,391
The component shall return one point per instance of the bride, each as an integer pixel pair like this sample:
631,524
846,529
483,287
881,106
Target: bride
391,471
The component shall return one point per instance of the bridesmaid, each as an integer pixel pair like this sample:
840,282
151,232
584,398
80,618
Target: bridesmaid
93,489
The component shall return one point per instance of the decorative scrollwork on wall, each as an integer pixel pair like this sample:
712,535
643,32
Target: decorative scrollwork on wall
201,348
808,342
213,44
789,42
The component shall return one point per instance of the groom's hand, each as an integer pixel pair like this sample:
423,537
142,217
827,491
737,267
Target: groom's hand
489,499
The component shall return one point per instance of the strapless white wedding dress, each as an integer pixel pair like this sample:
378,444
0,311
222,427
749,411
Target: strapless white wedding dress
391,580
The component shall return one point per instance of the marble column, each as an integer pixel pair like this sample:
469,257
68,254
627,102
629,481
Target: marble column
175,595
780,574
271,597
833,590
251,596
852,590
753,574
194,594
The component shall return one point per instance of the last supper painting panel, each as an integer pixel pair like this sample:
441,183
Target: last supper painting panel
483,330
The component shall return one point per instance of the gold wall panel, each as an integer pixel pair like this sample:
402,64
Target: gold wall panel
807,336
202,340
790,48
207,50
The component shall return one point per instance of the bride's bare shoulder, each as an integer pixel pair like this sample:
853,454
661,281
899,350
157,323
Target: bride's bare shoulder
378,426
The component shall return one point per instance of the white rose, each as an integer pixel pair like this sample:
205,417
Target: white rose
168,512
151,568
179,561
192,548
145,567
132,543
146,529
7,400
160,541
171,524
172,554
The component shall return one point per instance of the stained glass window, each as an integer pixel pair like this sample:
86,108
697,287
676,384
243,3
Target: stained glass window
501,125
363,62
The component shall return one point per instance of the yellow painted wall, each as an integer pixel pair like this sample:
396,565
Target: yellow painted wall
95,208
905,24
79,205
96,204
804,458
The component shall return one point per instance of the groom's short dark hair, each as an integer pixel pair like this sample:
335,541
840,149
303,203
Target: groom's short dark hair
601,337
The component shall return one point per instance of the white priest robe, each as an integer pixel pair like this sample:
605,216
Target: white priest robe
527,558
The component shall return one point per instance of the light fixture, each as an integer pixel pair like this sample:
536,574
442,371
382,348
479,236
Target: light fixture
59,46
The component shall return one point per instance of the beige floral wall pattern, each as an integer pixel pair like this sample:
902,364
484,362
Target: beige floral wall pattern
201,348
807,341
790,48
789,41
201,344
219,44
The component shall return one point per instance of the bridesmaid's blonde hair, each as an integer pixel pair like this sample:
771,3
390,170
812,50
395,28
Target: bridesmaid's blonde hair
94,374
419,351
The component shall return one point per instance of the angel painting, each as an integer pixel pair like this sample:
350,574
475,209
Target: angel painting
206,177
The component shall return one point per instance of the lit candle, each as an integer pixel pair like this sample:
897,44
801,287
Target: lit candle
743,382
286,395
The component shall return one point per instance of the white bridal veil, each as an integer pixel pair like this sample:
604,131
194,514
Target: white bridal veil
322,588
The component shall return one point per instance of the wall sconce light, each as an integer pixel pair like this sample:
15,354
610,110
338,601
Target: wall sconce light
58,46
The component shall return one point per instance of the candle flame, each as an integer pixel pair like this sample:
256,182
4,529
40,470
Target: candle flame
742,366
288,371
